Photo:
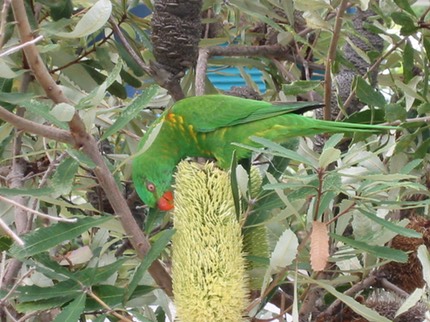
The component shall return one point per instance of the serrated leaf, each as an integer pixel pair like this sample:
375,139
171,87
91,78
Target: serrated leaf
391,226
357,307
62,181
45,238
328,156
285,250
72,312
275,149
368,95
82,158
63,112
131,111
109,294
44,304
91,21
300,87
378,251
36,192
6,71
155,251
65,289
43,110
395,112
15,98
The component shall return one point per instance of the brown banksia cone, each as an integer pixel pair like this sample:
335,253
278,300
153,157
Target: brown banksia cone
176,29
408,276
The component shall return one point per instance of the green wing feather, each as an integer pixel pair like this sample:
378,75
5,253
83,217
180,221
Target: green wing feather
211,112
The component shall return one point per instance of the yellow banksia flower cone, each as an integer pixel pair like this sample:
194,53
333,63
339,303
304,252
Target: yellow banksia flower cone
208,267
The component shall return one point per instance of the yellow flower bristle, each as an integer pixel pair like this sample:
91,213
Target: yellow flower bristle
208,267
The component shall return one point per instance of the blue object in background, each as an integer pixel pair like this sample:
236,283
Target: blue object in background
225,78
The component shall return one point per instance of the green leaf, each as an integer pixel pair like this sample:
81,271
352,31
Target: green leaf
65,289
395,112
59,9
408,62
15,98
45,238
275,149
155,251
44,304
63,178
82,158
92,20
5,243
94,275
43,110
405,20
410,166
73,311
357,307
131,111
328,156
391,226
300,87
111,295
36,192
368,95
378,251
405,5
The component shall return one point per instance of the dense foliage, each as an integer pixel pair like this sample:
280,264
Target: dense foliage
80,81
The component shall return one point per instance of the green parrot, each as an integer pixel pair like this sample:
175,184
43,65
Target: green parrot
206,126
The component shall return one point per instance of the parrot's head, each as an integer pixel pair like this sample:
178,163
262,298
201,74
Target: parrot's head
153,184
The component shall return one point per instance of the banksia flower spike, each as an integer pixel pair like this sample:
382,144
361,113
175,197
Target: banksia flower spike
208,271
255,240
176,28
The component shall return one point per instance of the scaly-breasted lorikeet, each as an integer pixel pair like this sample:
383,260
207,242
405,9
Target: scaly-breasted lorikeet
206,126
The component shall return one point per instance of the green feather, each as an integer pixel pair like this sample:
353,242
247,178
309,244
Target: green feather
206,126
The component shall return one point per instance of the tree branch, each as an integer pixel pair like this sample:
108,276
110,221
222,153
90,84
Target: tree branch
86,143
278,52
330,58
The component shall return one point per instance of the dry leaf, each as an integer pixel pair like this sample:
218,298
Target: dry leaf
319,246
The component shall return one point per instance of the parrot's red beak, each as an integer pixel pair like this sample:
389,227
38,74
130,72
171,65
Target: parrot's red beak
165,203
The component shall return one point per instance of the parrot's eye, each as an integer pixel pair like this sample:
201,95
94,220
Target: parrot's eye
150,186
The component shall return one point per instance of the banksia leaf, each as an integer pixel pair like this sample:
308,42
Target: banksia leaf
208,267
319,246
176,30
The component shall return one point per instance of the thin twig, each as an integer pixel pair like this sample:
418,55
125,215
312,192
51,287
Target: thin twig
201,67
21,46
15,286
87,144
11,233
40,214
127,46
3,21
109,310
331,57
371,69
